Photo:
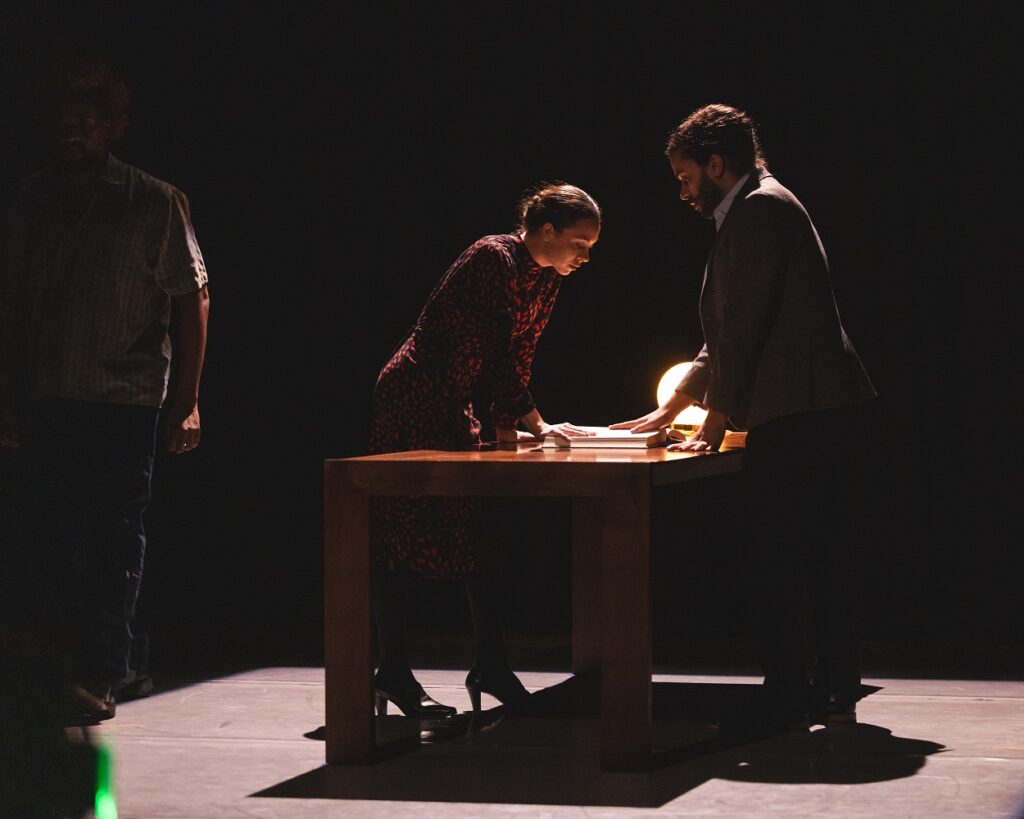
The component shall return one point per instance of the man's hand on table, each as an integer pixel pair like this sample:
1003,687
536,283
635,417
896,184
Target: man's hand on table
707,438
663,416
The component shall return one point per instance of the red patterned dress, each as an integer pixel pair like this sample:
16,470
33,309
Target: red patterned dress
481,322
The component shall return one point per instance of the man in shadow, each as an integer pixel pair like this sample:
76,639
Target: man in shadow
777,362
95,254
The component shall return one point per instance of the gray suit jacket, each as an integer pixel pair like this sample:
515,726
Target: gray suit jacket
773,341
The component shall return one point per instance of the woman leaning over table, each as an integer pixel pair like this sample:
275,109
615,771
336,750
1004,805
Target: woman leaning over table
479,326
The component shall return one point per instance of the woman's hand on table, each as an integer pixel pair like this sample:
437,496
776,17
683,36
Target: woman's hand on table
707,438
512,436
564,430
539,428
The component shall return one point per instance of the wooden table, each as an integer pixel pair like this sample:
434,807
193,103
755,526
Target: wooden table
611,494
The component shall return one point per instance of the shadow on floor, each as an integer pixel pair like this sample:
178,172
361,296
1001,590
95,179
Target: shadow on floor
550,755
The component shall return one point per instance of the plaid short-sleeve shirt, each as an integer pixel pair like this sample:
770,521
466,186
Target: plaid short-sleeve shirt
94,287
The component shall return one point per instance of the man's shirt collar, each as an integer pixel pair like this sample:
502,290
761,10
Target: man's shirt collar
116,171
723,207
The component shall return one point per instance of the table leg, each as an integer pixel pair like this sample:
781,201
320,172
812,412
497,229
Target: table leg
626,661
586,585
349,719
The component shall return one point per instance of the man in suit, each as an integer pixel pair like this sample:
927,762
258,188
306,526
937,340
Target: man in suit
777,362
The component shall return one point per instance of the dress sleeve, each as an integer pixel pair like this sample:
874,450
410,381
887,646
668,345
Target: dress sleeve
512,399
180,268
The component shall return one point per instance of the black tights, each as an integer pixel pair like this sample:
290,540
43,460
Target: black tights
390,606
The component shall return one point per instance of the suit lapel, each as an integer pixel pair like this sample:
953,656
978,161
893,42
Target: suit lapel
756,176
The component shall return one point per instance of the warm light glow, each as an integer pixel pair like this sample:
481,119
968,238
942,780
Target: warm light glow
692,416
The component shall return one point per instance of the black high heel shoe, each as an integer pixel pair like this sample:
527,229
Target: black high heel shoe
410,698
500,683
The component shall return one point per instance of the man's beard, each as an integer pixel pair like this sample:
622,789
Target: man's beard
79,159
708,198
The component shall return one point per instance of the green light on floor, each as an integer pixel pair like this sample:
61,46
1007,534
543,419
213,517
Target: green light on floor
106,805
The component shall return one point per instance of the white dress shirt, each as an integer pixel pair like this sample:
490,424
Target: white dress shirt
723,207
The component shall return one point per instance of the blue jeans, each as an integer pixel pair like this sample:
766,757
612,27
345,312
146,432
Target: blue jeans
92,465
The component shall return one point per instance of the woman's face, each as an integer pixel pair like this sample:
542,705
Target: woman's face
567,249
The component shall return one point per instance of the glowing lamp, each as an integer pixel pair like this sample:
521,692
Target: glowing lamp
692,416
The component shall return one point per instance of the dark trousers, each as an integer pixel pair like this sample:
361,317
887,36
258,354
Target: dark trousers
800,483
91,466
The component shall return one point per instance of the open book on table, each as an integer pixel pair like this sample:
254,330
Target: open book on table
604,437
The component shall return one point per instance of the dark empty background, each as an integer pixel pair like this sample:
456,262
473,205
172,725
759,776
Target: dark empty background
338,158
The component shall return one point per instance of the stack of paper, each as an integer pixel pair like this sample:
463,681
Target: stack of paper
733,439
605,438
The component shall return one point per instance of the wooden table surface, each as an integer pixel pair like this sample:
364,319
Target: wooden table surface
611,492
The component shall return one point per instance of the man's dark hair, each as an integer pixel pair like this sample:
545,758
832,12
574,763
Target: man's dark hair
82,77
718,129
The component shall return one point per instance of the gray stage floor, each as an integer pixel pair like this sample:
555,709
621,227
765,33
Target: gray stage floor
249,745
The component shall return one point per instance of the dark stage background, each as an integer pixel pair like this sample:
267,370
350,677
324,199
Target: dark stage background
338,158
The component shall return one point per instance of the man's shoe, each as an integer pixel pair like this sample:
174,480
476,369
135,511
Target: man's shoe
841,710
90,705
134,686
833,710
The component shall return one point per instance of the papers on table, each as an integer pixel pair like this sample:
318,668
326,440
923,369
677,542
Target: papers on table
605,438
